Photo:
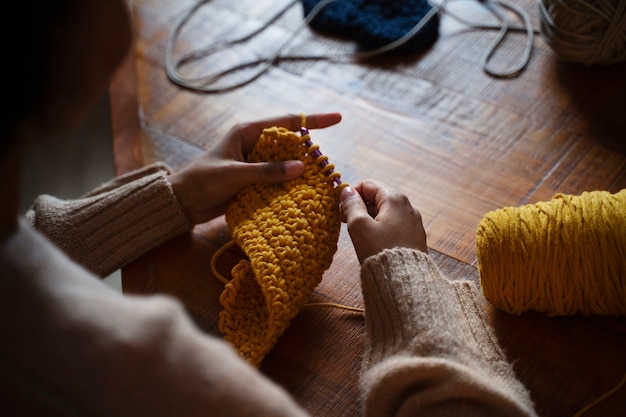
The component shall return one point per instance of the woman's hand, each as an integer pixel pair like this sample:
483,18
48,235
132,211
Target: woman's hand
205,187
379,218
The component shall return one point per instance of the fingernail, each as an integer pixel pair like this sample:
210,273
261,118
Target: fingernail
346,193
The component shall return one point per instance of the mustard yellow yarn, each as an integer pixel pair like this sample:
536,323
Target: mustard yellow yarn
289,232
562,257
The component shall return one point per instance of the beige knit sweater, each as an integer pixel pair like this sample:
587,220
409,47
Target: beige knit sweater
429,348
72,346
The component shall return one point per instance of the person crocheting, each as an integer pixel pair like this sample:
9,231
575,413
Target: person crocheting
74,346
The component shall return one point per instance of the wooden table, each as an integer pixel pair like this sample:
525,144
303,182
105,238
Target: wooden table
458,142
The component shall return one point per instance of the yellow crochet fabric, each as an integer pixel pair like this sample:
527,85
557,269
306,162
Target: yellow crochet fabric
289,233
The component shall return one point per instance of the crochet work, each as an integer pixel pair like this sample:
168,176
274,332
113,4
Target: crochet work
289,233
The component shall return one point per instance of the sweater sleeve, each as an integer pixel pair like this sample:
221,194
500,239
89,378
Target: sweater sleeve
114,224
429,348
79,348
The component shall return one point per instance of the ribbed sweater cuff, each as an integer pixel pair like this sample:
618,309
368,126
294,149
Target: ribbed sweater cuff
406,296
412,310
114,224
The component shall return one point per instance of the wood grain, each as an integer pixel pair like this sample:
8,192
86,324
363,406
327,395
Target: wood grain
458,142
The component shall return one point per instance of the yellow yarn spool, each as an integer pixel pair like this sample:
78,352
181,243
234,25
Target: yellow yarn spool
585,31
289,232
562,257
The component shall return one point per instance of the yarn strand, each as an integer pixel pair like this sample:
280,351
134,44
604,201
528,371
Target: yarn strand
216,256
207,83
602,398
335,305
492,6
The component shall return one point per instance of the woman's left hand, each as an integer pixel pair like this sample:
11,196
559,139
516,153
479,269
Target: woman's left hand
206,186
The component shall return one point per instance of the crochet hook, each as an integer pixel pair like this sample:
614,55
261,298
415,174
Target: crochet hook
317,153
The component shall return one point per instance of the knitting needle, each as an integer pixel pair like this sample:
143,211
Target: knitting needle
304,132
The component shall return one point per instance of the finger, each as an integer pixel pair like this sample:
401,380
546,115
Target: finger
270,172
320,121
352,205
382,200
293,122
373,192
250,132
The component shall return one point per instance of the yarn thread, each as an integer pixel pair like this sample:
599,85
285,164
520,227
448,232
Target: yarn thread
255,68
562,257
585,31
602,397
289,233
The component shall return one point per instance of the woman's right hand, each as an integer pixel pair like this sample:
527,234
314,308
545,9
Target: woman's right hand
379,218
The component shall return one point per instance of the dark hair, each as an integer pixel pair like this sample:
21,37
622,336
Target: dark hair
30,47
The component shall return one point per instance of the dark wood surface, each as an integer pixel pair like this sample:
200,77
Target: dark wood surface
458,142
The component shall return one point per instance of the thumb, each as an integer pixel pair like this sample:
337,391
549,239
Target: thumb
352,205
269,172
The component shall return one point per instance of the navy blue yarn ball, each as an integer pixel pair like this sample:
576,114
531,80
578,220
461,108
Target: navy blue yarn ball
375,23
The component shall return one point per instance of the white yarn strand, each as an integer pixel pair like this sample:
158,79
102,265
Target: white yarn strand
493,6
